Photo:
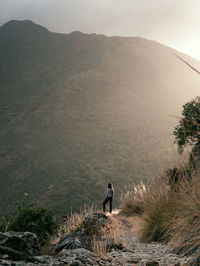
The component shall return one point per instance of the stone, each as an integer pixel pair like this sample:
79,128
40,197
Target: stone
24,242
75,263
152,263
15,255
70,243
19,245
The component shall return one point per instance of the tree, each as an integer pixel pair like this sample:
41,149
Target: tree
37,220
188,130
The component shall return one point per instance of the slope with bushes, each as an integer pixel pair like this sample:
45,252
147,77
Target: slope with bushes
79,110
169,208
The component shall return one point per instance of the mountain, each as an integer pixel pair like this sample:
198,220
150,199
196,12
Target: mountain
78,110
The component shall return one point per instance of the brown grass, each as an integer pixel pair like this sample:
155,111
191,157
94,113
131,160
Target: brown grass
110,236
102,238
133,201
75,220
168,214
185,230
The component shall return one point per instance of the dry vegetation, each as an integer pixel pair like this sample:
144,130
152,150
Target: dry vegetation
169,208
74,221
111,236
101,238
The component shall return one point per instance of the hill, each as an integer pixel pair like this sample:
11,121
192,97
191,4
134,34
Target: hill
80,110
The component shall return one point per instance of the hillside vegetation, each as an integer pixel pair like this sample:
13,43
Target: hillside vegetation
80,110
168,210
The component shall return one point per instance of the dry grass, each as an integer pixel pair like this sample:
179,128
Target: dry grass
74,222
110,236
168,214
99,248
104,244
102,238
155,205
158,215
133,201
185,230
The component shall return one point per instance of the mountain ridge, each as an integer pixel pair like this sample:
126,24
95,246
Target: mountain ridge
76,103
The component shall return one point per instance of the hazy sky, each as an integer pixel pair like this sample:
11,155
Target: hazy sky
172,22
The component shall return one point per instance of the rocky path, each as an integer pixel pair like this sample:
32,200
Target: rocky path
131,251
137,253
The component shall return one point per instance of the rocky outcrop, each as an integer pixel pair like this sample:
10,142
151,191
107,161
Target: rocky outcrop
19,245
74,250
83,235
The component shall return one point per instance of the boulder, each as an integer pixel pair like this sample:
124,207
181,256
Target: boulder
19,245
93,222
82,238
69,243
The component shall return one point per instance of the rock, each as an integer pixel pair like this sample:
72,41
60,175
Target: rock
133,261
25,242
84,260
46,259
75,252
152,263
92,223
127,250
19,245
66,236
75,263
14,254
70,243
83,237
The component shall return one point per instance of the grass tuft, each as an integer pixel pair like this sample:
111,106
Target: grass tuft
133,201
74,222
169,211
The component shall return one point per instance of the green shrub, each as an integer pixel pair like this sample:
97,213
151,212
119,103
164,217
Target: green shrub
3,224
187,131
37,220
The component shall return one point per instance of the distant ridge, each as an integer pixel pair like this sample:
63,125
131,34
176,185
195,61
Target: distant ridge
14,25
78,109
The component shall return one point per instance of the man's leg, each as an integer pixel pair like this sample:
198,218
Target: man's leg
110,201
104,204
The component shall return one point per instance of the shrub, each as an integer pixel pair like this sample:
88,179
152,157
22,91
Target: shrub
74,222
132,202
4,223
186,223
155,205
158,215
189,126
37,220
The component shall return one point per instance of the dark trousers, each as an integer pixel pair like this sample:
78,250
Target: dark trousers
105,202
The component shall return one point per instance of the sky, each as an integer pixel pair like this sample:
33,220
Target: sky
175,23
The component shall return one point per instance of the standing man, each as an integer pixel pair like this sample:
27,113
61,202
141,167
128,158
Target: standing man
109,197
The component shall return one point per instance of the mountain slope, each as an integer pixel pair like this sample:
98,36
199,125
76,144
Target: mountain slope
79,110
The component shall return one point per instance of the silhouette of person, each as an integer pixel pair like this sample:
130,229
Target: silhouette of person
109,197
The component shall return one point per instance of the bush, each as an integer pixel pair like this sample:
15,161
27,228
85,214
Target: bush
158,216
189,126
186,223
132,202
37,220
74,222
155,205
4,223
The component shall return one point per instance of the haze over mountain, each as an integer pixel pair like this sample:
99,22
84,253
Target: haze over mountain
79,110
